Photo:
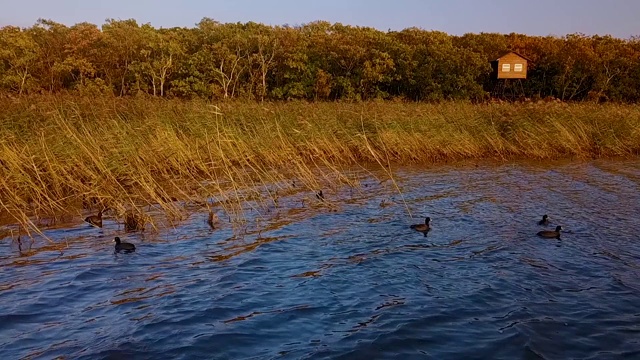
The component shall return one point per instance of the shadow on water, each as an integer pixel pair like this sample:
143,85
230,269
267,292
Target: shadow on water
345,277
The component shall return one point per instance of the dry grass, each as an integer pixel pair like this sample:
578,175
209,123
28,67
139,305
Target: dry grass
59,155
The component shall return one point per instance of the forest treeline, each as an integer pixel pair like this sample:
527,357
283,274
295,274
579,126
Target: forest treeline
314,61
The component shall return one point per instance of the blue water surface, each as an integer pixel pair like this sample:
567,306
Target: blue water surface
347,278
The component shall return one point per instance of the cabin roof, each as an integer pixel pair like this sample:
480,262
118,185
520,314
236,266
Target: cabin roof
513,52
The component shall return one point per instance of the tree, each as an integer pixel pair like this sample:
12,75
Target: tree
158,57
52,38
221,58
82,54
18,55
314,61
121,46
264,47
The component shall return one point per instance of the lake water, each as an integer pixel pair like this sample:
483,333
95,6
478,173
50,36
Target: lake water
348,279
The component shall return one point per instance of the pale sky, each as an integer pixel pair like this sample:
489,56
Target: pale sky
620,18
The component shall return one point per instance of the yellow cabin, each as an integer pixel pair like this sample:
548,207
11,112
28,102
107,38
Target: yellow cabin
510,66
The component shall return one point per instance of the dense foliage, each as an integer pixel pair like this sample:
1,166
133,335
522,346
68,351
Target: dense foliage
315,61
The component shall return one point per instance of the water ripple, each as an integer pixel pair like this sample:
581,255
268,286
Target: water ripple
348,279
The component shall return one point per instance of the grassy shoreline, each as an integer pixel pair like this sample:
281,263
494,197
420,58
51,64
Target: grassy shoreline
63,154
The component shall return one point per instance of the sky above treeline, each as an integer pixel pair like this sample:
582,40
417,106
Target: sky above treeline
619,18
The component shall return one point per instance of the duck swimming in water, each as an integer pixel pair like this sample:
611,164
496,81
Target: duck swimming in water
550,234
124,246
95,220
423,228
545,220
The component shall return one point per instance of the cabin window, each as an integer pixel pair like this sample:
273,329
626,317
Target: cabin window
506,67
517,67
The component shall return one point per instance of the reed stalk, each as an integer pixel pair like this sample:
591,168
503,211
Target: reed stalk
70,155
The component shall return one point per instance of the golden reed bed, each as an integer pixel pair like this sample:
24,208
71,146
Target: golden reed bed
60,155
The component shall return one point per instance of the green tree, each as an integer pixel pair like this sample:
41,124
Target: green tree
121,46
18,58
158,57
51,38
82,53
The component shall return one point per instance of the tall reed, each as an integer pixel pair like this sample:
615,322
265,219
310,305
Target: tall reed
62,154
